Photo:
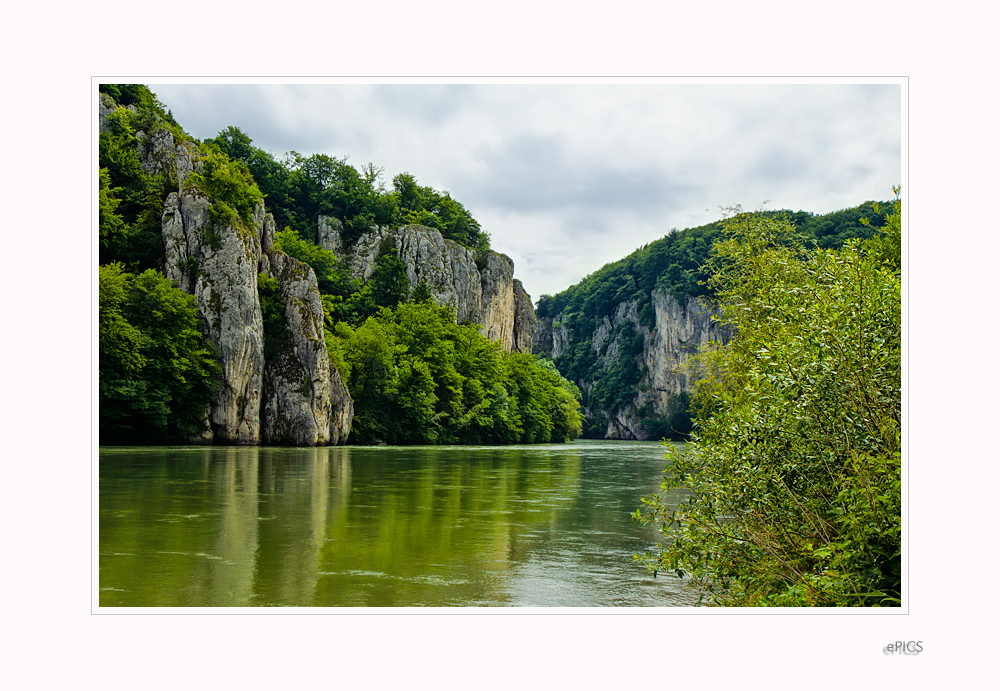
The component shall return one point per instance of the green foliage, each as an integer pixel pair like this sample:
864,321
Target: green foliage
417,377
156,372
113,230
130,200
272,308
300,188
332,274
338,337
886,244
421,293
427,207
389,283
148,108
120,341
675,423
793,477
230,185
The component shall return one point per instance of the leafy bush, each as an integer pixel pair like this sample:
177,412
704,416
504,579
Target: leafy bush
229,183
272,308
794,472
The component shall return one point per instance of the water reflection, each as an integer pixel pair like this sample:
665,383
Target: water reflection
367,527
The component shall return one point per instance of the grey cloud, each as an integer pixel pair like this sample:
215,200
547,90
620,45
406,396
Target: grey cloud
535,172
777,164
429,104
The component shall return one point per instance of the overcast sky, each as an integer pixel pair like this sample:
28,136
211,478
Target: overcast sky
568,177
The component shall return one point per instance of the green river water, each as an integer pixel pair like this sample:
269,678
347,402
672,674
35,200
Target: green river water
523,526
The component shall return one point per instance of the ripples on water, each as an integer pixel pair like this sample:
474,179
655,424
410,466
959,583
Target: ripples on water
524,526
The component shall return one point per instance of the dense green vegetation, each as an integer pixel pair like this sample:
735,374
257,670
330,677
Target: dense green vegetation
418,377
157,374
131,199
676,264
794,472
415,375
299,189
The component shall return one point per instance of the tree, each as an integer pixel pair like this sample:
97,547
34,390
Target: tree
157,374
793,477
389,282
113,230
421,293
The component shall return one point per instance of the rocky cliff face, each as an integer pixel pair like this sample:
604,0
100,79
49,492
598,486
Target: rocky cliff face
525,322
293,397
482,290
300,387
679,330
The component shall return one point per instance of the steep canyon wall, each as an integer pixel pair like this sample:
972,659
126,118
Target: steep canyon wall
482,289
679,329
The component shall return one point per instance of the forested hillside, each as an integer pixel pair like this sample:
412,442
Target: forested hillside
607,333
180,219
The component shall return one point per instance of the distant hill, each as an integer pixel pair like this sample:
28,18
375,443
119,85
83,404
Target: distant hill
623,333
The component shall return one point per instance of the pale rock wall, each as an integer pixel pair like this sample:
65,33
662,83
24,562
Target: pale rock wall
297,379
305,402
105,104
448,269
679,331
490,296
328,234
296,398
225,286
498,300
525,321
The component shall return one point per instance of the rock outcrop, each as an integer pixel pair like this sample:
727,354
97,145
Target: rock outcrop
482,289
292,397
219,267
525,322
679,330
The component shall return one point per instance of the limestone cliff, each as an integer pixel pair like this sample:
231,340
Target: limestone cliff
678,331
293,396
482,289
299,384
219,267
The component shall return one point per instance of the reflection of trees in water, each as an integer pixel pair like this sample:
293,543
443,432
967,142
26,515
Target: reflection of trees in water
233,476
299,488
424,518
356,527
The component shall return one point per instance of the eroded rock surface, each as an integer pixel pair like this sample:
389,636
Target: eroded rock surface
482,289
680,329
297,403
294,397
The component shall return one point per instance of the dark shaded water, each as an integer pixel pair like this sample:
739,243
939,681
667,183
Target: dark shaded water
367,527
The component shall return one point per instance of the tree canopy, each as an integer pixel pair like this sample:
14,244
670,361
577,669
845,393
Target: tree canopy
418,377
157,374
301,188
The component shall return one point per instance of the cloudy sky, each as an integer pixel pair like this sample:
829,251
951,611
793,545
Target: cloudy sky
568,177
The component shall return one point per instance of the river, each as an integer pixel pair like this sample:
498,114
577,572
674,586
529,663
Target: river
522,526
